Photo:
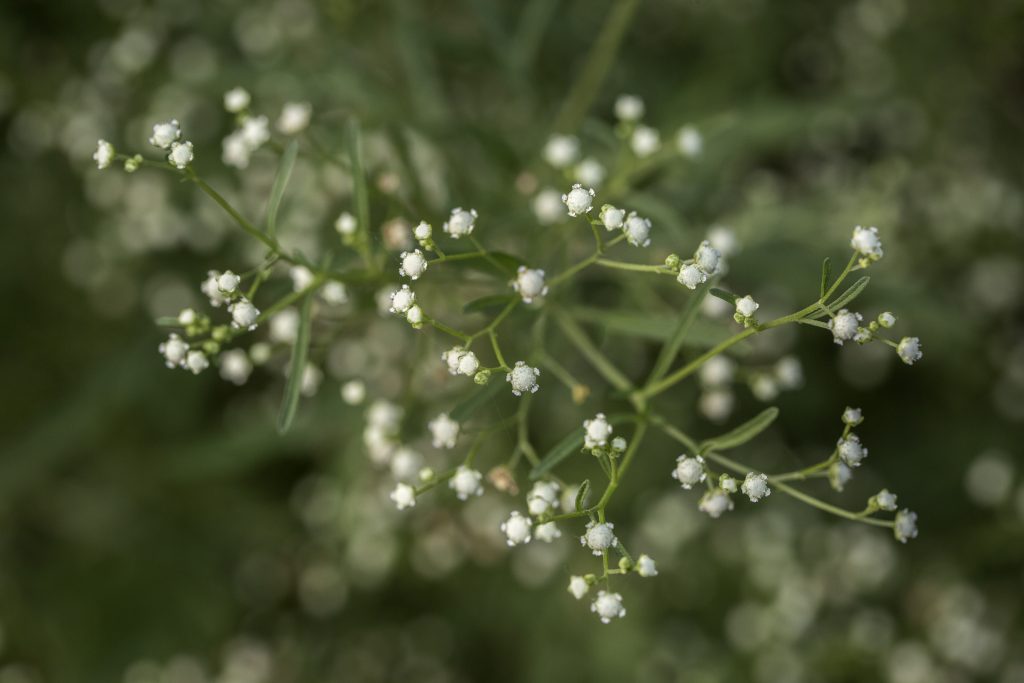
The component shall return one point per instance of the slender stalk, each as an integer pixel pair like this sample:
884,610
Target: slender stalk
580,340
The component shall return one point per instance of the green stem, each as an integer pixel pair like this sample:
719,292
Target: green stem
580,340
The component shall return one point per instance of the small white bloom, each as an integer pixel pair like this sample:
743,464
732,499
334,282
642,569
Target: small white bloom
334,293
423,231
444,431
909,350
104,154
611,217
716,404
284,326
578,586
466,483
460,223
402,300
578,200
590,172
294,117
235,366
755,486
301,276
235,151
886,319
866,242
844,326
255,131
707,257
517,528
547,532
596,431
547,206
196,361
173,350
645,566
637,230
851,451
599,537
905,527
645,141
728,483
404,496
764,387
468,364
789,372
452,357
529,283
345,224
542,498
619,444
608,606
629,108
405,464
717,371
746,306
165,133
181,154
384,414
885,500
353,392
523,378
689,471
227,282
414,316
561,150
243,314
839,475
413,264
236,99
690,276
689,141
852,416
715,503
723,239
187,316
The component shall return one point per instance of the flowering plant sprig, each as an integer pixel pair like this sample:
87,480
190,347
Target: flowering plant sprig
534,299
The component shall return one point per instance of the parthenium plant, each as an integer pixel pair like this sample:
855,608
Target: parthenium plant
612,440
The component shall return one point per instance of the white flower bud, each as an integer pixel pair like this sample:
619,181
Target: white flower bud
608,606
444,430
529,283
104,154
413,264
755,486
165,133
909,350
460,223
523,378
404,496
517,528
579,200
689,471
746,306
599,537
466,483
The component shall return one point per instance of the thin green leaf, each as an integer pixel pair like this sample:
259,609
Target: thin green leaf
296,367
742,434
284,173
846,297
484,304
724,295
478,399
581,495
826,270
360,191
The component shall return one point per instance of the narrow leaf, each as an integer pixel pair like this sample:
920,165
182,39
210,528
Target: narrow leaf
846,297
724,295
296,368
826,270
487,303
742,434
359,188
671,349
478,399
581,495
284,173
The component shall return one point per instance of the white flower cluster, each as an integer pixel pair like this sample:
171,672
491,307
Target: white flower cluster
693,272
403,303
254,131
167,136
460,361
645,141
637,229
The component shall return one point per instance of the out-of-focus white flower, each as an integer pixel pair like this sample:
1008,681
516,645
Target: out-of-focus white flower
561,151
547,532
444,431
715,503
646,567
466,482
517,528
404,496
104,154
235,366
629,108
181,155
645,141
689,141
460,223
905,527
237,99
547,206
909,350
578,586
294,117
353,392
529,283
590,172
608,606
165,133
866,242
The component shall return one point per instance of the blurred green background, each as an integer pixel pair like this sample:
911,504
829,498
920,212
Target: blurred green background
153,527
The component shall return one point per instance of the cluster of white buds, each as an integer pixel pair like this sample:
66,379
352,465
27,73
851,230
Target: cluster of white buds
424,234
518,529
403,302
578,200
705,263
523,378
380,436
596,432
167,136
755,486
104,154
413,264
529,284
905,526
466,483
547,532
844,326
444,431
865,241
636,228
715,503
542,498
689,471
599,537
254,131
851,451
460,361
746,307
460,223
